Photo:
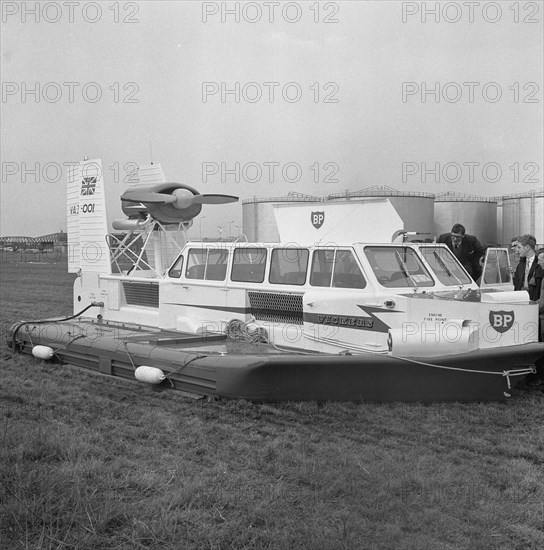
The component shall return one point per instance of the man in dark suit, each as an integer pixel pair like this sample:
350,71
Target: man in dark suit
467,249
539,255
528,274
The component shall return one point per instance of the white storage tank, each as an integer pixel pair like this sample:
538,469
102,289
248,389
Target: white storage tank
477,214
500,235
416,209
523,214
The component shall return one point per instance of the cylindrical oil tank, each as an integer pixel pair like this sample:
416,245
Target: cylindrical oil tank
415,209
500,236
258,218
523,214
477,214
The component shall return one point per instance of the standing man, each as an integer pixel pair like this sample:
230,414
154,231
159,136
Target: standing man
540,259
528,274
467,249
514,254
538,378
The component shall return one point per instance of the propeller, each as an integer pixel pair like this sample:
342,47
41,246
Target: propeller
169,202
214,199
142,196
180,198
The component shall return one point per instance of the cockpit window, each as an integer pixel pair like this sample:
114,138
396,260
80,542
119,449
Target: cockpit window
445,265
398,266
176,269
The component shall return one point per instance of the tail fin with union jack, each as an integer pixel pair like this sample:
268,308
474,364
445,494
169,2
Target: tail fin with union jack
87,219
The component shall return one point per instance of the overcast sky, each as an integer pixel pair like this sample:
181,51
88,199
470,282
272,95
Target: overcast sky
349,109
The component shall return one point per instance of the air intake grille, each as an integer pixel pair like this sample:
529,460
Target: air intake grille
276,308
142,294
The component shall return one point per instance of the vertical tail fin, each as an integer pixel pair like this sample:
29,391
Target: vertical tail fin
149,174
87,219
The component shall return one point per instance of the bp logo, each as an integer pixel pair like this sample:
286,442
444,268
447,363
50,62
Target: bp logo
317,219
501,321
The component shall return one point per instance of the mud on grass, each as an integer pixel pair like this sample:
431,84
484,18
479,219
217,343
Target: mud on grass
93,462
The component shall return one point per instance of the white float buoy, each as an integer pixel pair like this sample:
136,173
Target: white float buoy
43,352
149,375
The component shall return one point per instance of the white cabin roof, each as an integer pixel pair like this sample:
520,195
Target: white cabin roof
368,220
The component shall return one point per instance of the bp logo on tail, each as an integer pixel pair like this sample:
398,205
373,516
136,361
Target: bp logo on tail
501,321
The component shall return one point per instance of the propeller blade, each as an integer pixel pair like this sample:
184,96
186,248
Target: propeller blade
146,197
214,199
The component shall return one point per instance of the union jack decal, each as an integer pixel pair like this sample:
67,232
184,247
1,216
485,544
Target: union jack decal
88,185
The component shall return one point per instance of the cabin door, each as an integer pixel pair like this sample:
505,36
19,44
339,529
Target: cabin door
194,295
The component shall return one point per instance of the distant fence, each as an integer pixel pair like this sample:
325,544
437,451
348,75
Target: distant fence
33,256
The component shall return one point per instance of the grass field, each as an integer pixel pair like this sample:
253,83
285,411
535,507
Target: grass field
90,462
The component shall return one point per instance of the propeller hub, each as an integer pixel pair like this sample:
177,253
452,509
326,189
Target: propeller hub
183,198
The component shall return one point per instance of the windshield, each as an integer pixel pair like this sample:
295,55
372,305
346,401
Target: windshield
445,265
497,267
398,266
